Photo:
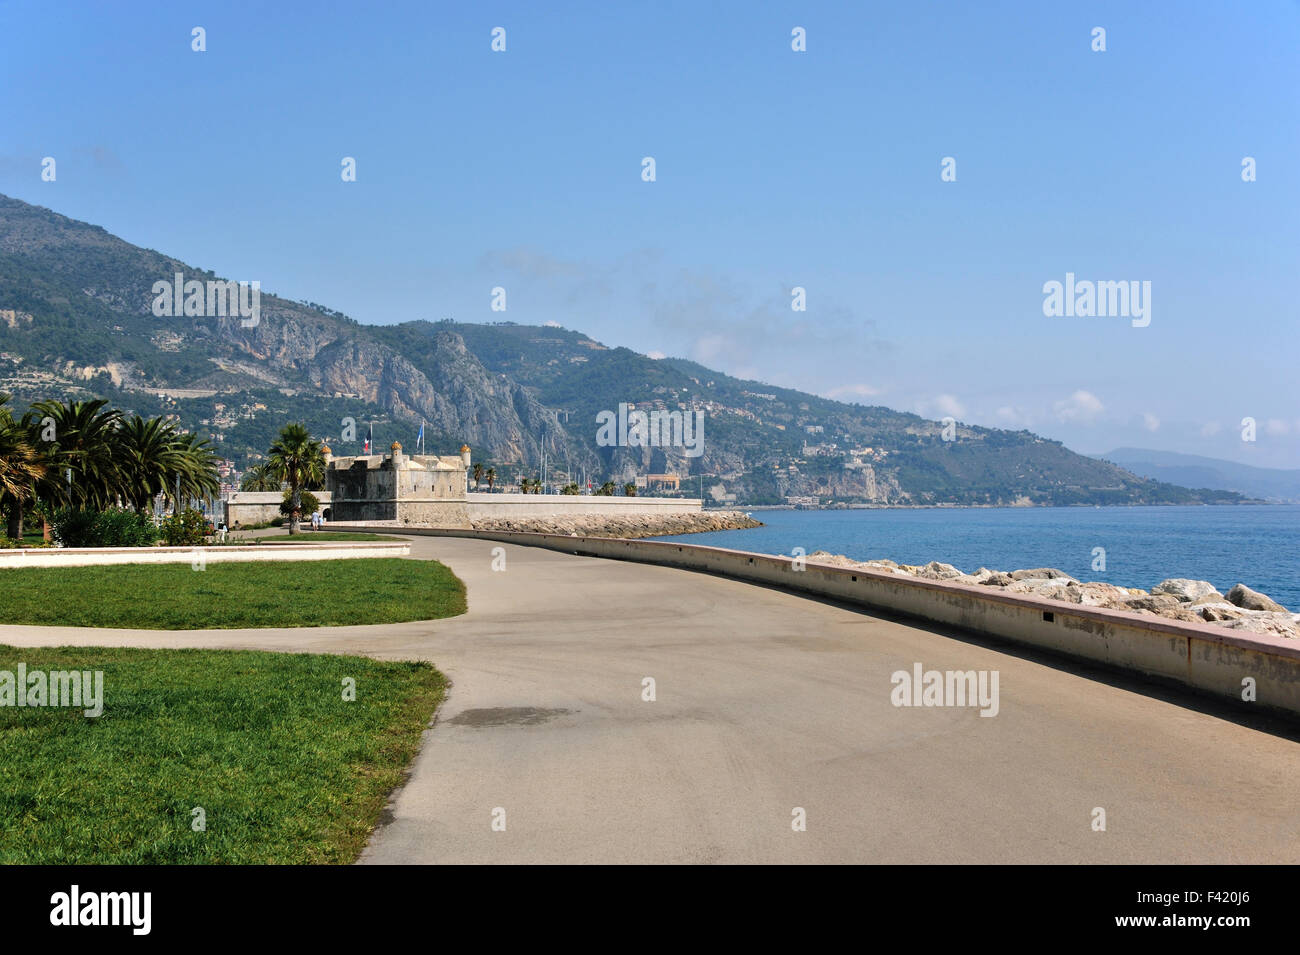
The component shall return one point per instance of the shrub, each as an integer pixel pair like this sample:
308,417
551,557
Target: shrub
123,528
73,527
277,522
187,528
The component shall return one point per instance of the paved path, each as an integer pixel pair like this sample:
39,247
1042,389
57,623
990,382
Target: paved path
766,702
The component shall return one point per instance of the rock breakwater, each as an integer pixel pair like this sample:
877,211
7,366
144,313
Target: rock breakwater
629,525
1177,598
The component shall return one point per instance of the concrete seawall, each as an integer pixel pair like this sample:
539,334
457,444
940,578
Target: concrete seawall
1202,657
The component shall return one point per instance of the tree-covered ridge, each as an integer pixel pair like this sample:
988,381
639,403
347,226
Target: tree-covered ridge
75,321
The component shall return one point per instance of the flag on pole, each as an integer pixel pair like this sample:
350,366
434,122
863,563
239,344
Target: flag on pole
370,437
419,442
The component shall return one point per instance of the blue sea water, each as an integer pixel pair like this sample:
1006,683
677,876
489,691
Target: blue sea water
1254,545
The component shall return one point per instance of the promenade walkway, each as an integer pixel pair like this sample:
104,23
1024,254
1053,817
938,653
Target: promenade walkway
765,702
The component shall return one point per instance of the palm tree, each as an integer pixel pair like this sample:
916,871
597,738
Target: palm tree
83,443
491,475
570,488
87,456
295,458
259,478
606,489
22,466
145,459
478,473
629,489
154,458
194,464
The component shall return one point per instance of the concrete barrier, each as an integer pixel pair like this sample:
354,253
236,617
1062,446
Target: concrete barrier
100,556
1202,657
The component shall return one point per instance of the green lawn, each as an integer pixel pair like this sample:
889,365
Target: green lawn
223,595
316,537
284,769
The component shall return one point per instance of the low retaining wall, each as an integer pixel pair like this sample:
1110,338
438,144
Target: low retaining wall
97,556
258,507
515,506
1203,657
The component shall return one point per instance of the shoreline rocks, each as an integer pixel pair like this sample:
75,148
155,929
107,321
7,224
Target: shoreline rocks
630,525
1177,598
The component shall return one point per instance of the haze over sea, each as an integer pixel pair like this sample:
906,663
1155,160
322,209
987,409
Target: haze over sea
1254,545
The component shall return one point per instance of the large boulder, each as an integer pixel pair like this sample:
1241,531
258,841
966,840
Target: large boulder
1248,599
1181,613
939,571
1216,611
884,566
831,560
1054,589
1264,621
1040,573
997,579
1097,594
1186,589
1152,603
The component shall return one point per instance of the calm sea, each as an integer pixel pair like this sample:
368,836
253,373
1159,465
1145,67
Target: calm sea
1256,545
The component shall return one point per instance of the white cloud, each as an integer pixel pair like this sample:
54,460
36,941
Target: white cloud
851,391
1210,429
1013,417
939,406
1277,426
656,355
949,405
707,348
1082,406
1150,421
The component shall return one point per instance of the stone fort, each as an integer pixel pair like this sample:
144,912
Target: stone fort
426,489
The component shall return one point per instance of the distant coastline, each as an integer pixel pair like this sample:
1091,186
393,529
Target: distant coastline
986,507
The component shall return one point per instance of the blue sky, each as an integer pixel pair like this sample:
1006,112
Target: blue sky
775,169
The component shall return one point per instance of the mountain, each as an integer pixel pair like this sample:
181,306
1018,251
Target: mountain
1269,484
77,319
